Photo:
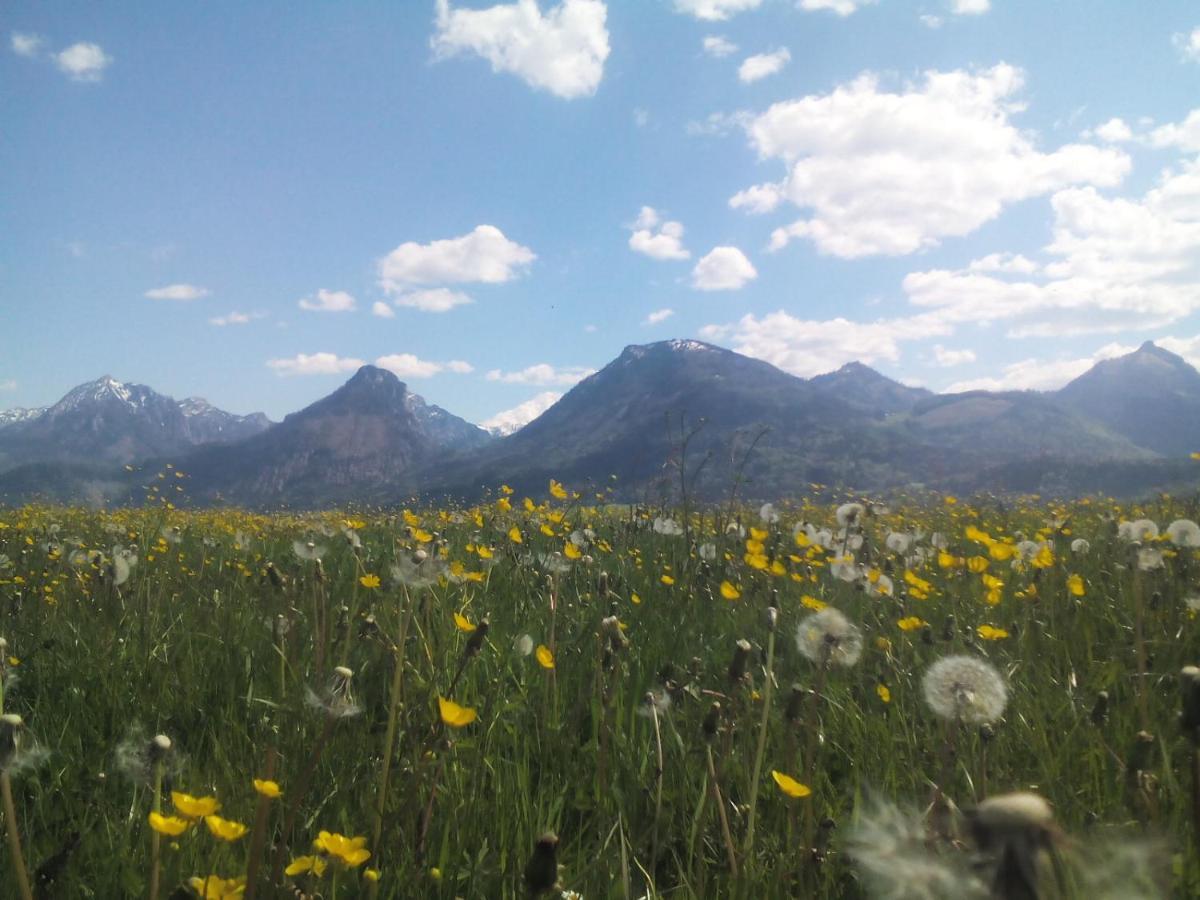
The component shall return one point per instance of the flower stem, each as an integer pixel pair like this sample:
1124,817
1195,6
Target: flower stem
716,792
155,837
14,838
762,744
389,740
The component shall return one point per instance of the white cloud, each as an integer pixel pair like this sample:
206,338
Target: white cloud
895,172
723,269
406,365
1114,131
715,10
26,44
177,292
562,52
761,65
510,420
947,358
758,199
931,21
382,310
236,318
659,315
657,239
541,373
1003,262
434,300
1185,135
719,46
1038,375
1188,348
808,347
8,384
83,62
459,367
329,301
1188,43
314,364
1114,264
483,255
970,7
841,7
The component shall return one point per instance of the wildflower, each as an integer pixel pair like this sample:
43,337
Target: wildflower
463,623
372,875
557,490
1137,532
898,542
268,789
545,657
911,623
514,535
966,689
828,637
171,826
1080,546
418,570
369,581
523,645
1075,586
308,550
136,757
884,693
790,786
213,887
1184,533
989,633
812,603
1149,559
225,829
667,526
767,513
454,715
303,864
850,514
729,592
348,851
194,807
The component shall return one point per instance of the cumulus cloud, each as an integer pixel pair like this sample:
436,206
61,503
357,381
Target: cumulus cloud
758,199
841,7
657,239
808,347
562,52
483,255
328,301
1039,375
541,374
761,65
659,315
434,300
970,7
723,269
406,365
719,46
1113,264
511,420
315,364
26,44
83,62
1183,135
1188,43
382,310
1114,131
947,358
177,292
236,318
1188,348
893,172
715,10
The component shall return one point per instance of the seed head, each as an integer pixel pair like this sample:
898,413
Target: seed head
965,689
828,638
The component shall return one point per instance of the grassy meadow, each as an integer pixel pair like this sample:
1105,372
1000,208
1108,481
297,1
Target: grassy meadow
431,692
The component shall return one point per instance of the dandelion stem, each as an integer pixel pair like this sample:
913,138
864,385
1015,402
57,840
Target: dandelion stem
762,744
658,790
289,823
716,792
389,740
14,838
1139,639
258,838
155,837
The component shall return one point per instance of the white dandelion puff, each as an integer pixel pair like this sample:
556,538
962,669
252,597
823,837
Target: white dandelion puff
1149,558
850,514
523,645
663,525
1080,546
965,689
898,542
1184,533
768,513
335,699
829,638
1138,531
308,550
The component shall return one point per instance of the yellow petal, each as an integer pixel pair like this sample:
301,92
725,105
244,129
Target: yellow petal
463,623
729,592
454,715
790,786
545,657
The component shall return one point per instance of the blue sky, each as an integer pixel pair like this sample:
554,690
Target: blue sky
243,201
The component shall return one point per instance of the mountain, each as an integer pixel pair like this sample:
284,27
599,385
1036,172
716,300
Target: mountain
109,421
354,445
867,390
1151,396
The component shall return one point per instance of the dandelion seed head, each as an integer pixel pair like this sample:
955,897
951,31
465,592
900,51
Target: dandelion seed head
850,514
828,637
523,645
1138,531
1080,546
1149,558
966,689
1184,533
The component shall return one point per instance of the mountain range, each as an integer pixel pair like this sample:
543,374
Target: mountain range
661,420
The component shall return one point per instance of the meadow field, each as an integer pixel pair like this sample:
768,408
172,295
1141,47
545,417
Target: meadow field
938,697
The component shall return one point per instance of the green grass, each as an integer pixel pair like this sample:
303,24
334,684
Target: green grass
187,647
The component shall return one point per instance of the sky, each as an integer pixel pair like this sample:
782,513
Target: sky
246,202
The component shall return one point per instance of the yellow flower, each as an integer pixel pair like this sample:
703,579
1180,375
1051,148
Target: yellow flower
454,715
988,633
977,564
484,552
911,623
302,864
884,694
729,592
635,599
883,644
172,826
514,535
544,657
424,537
504,504
350,851
790,786
812,603
268,789
215,887
570,551
1196,455
557,490
463,623
667,580
1001,552
369,581
194,807
225,829
371,874
1075,586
